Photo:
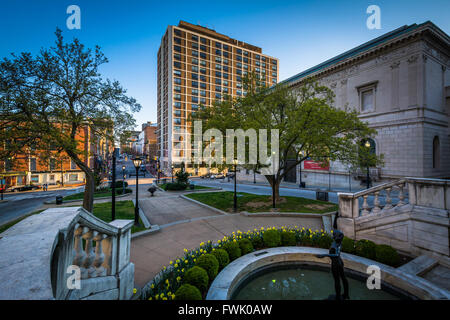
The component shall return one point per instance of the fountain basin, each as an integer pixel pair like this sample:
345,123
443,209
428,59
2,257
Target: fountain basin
234,277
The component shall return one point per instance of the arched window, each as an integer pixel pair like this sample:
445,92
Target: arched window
436,153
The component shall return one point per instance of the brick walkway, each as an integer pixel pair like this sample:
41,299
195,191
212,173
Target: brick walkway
184,225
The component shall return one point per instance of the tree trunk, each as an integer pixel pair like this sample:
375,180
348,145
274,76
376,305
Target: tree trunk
275,185
89,189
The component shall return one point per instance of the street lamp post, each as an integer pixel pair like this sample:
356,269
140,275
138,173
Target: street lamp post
123,179
300,170
273,181
113,191
367,145
137,164
171,172
235,178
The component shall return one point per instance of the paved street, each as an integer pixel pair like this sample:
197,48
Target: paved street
20,204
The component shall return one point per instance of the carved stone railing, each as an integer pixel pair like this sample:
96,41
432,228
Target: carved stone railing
66,253
411,214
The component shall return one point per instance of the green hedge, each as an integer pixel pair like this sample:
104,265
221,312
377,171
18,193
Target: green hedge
233,250
387,255
222,257
272,238
366,249
288,239
210,264
188,292
197,277
246,246
175,186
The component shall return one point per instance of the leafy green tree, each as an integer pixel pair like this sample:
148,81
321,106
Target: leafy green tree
54,96
309,126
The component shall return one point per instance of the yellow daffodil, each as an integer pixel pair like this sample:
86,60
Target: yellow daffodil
134,290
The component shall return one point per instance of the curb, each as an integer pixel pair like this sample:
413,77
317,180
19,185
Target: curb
154,228
287,214
204,205
81,200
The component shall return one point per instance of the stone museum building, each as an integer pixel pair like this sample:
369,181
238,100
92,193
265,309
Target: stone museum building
400,84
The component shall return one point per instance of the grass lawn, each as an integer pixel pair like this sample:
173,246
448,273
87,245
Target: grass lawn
262,203
124,210
196,187
98,194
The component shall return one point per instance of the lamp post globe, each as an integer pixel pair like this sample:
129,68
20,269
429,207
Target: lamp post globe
235,162
368,145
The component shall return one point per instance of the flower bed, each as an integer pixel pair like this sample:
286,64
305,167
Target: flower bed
189,277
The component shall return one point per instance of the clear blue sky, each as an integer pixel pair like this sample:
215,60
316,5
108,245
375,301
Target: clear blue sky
300,33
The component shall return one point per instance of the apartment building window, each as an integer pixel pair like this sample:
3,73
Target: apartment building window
218,52
225,82
195,91
218,88
202,70
177,88
203,63
194,76
177,32
225,75
177,113
245,66
274,74
246,53
238,51
194,107
239,72
257,69
238,78
194,37
218,96
177,121
177,96
33,164
177,40
194,99
239,58
202,78
194,61
177,48
218,59
218,74
274,62
218,67
203,55
245,60
238,65
203,40
239,92
245,73
257,56
177,80
203,100
52,164
203,93
274,68
177,104
263,58
225,61
263,64
203,85
195,53
225,90
238,85
218,45
194,68
274,80
194,84
177,56
194,45
218,81
202,47
225,54
177,73
225,68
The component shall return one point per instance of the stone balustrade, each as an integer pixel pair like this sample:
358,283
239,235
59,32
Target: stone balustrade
411,214
66,253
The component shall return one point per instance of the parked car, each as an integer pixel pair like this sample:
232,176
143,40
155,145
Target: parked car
23,188
219,176
205,176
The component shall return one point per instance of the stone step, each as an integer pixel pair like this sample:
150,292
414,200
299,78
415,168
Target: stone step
419,265
327,223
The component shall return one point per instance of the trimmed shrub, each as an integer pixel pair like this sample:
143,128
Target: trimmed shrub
348,245
120,191
288,239
222,257
324,241
246,246
210,264
175,186
272,238
188,292
366,249
197,277
233,250
257,242
387,255
119,184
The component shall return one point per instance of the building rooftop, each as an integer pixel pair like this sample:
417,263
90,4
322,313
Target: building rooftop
213,34
367,46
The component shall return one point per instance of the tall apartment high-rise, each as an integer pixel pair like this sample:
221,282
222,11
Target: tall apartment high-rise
196,66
